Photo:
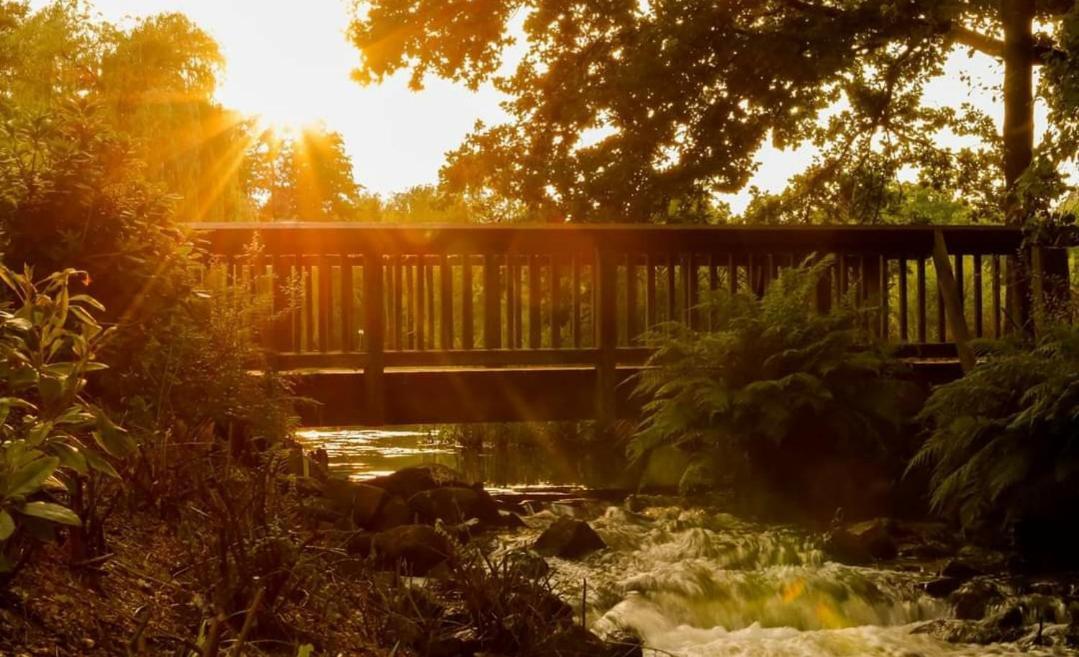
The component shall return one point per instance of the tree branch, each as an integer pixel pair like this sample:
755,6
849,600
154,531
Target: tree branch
1043,49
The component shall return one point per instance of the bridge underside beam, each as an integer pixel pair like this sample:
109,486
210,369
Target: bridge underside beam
487,394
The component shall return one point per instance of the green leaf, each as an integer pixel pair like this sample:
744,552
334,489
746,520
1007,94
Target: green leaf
31,476
51,512
7,525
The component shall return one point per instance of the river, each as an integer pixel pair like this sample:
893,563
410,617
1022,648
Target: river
699,582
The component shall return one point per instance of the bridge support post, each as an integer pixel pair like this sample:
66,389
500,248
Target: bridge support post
374,337
606,337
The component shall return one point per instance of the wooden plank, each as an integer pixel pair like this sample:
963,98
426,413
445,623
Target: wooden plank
337,237
431,292
492,303
325,303
309,307
535,294
348,340
885,298
690,290
950,292
445,277
467,318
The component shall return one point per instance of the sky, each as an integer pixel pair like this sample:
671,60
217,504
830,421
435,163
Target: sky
290,62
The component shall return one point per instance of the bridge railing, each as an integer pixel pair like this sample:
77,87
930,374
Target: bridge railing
373,297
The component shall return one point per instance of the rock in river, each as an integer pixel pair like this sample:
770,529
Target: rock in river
569,538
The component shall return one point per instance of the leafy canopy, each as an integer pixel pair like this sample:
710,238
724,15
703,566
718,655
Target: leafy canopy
632,110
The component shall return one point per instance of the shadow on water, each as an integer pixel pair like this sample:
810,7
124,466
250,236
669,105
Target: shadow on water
503,456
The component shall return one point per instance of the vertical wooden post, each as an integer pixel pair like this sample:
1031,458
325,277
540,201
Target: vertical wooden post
396,302
605,305
374,337
996,286
949,292
492,307
282,305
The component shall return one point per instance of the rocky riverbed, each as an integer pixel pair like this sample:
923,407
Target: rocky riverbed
687,578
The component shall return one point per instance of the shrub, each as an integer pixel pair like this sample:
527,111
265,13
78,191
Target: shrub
1003,444
774,387
54,443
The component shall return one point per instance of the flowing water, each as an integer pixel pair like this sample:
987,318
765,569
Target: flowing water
695,582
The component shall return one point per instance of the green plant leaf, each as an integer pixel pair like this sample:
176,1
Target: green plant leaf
51,512
31,476
7,525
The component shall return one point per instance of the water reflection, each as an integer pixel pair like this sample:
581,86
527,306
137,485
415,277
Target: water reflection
501,456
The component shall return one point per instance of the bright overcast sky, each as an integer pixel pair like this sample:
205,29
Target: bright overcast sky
290,62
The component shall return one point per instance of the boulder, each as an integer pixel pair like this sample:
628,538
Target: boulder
974,598
406,482
568,538
862,542
394,512
942,587
416,548
454,505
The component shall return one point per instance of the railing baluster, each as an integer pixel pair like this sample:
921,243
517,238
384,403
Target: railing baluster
904,320
960,280
942,323
396,303
556,303
575,265
534,296
604,307
732,275
690,291
282,323
445,273
467,319
374,336
997,319
325,307
650,291
923,336
347,340
421,303
309,306
431,293
671,289
977,283
632,330
885,298
492,321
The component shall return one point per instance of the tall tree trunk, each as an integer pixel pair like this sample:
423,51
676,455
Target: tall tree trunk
1017,17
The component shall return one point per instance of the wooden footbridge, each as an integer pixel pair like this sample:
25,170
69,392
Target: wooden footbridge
417,324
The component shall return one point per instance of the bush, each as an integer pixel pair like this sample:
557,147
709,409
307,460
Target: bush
54,443
1003,445
774,391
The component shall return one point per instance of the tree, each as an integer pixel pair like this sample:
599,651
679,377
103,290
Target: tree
306,176
627,110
